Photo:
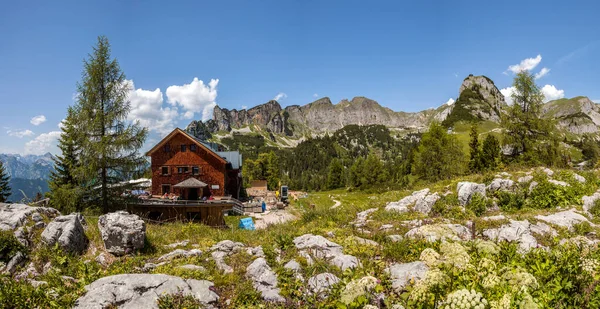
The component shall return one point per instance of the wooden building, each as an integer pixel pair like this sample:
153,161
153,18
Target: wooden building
192,169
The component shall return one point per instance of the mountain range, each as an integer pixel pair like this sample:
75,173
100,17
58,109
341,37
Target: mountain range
28,174
478,99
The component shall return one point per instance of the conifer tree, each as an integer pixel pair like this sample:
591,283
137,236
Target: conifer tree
109,144
439,155
4,184
474,151
490,152
334,177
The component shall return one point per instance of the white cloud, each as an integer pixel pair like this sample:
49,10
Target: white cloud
542,73
19,133
316,95
43,143
596,101
450,101
280,96
244,107
61,124
525,65
147,108
37,120
507,93
551,93
195,97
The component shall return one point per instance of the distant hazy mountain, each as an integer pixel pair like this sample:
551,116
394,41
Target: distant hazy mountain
28,173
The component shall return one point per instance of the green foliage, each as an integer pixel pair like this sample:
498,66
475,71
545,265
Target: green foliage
439,155
547,195
524,127
510,201
108,144
67,198
477,204
4,186
475,154
335,177
595,209
9,246
490,153
178,300
590,150
463,107
265,167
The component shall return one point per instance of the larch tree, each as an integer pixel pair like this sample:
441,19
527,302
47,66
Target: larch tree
109,143
4,184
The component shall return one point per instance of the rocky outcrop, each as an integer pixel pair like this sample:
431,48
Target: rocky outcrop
435,232
321,284
564,218
121,232
264,280
319,247
13,216
520,232
142,291
403,274
180,253
466,190
589,201
422,200
68,232
223,249
577,115
500,184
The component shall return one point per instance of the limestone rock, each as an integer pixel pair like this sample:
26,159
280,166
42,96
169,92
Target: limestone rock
122,232
579,178
13,216
588,202
320,247
142,291
547,171
192,267
558,183
362,217
500,184
525,179
321,284
395,238
564,218
68,232
180,253
223,249
435,232
17,260
532,186
264,280
402,274
466,190
178,244
422,201
515,231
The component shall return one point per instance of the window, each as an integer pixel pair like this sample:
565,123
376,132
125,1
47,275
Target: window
183,148
195,170
167,148
182,169
165,170
193,147
166,189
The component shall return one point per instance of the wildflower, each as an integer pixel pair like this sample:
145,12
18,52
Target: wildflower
487,265
590,266
433,278
355,288
490,281
455,254
521,279
486,247
465,299
503,303
527,302
429,257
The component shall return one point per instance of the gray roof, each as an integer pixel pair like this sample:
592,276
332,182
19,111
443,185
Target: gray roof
191,183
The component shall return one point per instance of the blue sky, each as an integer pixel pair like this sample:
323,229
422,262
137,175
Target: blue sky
407,55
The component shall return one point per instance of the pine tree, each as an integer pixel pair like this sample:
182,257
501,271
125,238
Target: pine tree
335,175
524,127
4,184
439,155
474,151
490,152
109,145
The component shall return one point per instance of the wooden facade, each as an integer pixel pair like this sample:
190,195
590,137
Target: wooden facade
179,156
206,213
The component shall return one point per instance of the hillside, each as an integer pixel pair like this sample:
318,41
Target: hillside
28,173
522,246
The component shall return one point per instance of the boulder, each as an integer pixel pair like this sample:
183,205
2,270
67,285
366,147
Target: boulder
142,291
320,247
532,186
122,232
15,262
223,249
579,178
500,184
558,183
425,204
68,232
466,190
435,232
588,202
402,274
422,201
525,179
293,265
362,217
564,218
264,280
13,216
180,253
321,284
192,267
547,171
515,231
102,260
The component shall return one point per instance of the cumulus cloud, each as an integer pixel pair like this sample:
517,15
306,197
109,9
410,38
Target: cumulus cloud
525,65
147,108
244,106
450,101
37,120
280,96
43,143
316,95
551,93
542,73
195,97
507,93
19,133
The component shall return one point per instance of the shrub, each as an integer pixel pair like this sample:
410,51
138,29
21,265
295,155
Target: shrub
178,301
595,209
582,228
547,195
510,201
478,204
9,246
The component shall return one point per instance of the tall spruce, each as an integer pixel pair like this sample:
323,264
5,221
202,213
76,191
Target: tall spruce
4,184
490,152
524,127
474,151
439,155
109,144
335,175
67,162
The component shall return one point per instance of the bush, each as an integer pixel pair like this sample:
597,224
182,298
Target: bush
546,195
595,209
178,301
510,201
9,246
478,204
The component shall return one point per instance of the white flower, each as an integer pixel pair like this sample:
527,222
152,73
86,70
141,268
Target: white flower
430,257
455,254
590,266
465,299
